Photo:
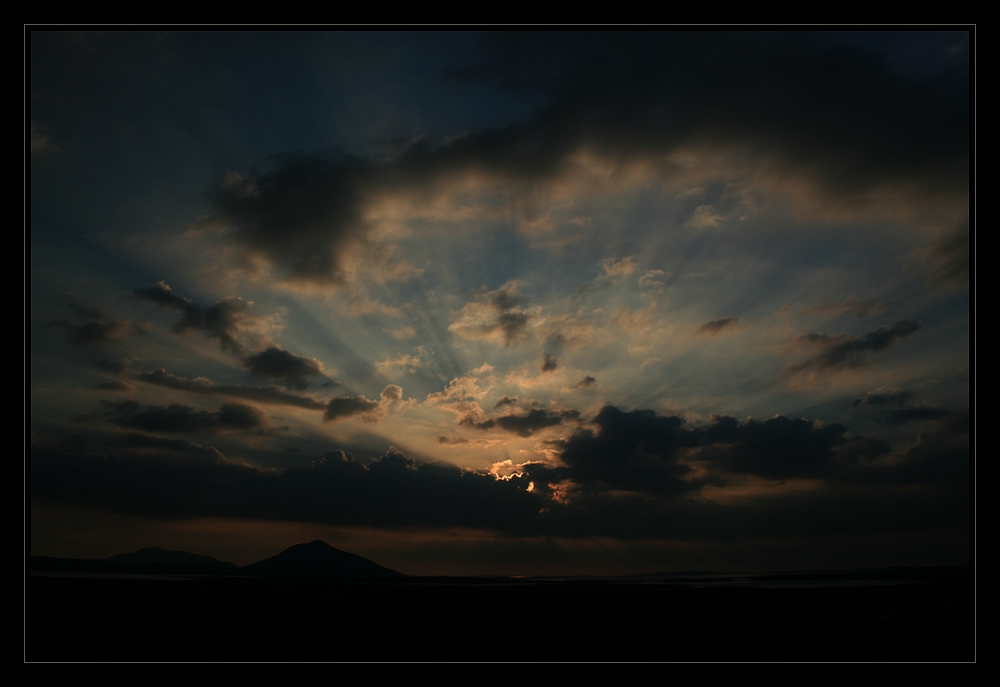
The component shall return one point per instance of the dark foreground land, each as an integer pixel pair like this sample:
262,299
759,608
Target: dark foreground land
924,616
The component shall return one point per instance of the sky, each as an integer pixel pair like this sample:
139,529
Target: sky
505,303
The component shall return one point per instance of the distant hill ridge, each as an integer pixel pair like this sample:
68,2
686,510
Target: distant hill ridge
318,559
154,555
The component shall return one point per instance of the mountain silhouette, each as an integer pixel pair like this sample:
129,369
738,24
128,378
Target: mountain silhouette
154,555
318,559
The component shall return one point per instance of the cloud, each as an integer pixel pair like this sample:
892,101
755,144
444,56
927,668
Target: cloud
887,129
634,451
585,383
549,363
618,268
348,406
644,452
715,326
524,424
181,418
779,448
469,413
465,388
499,315
939,458
145,441
882,395
567,331
852,306
922,412
391,398
119,366
652,281
278,363
402,333
410,363
337,488
462,396
308,217
359,304
223,321
705,216
392,395
612,271
555,343
100,332
201,385
849,351
630,475
303,216
764,100
950,259
83,311
638,319
115,386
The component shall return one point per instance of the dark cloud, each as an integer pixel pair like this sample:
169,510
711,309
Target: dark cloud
925,412
855,452
778,448
716,326
161,294
100,332
535,420
632,95
555,343
852,306
145,441
348,406
781,448
628,477
524,424
883,395
634,451
940,457
549,363
512,324
271,395
302,216
850,351
390,491
645,452
506,401
119,366
181,418
114,386
279,363
85,312
778,98
222,321
586,382
502,314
